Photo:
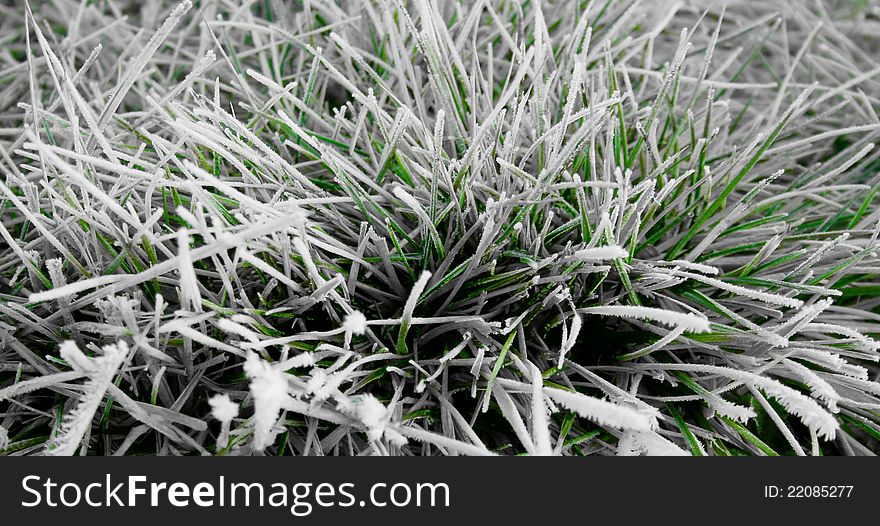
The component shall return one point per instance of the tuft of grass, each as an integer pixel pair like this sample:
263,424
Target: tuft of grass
418,228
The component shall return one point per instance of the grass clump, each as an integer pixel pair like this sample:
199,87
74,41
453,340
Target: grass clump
418,228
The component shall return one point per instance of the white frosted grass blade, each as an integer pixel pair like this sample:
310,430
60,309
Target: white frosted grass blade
75,358
690,322
729,409
540,422
570,336
449,444
410,306
270,393
305,359
40,382
198,336
74,288
231,327
600,411
819,387
189,285
600,253
766,297
306,254
512,415
699,267
831,361
101,371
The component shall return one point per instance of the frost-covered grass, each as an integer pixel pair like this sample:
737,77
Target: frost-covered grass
303,227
